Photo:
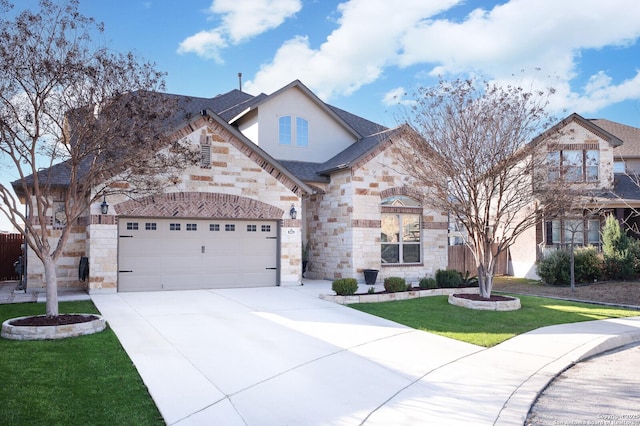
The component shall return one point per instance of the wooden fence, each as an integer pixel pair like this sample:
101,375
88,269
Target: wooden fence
461,259
10,251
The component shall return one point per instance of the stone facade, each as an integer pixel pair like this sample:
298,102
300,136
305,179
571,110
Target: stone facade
237,185
344,222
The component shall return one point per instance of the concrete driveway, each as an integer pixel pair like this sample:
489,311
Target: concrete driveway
282,356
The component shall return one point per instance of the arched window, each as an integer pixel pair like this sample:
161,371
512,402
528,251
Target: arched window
292,131
401,231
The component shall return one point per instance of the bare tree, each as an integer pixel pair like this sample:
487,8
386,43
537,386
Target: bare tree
76,122
475,159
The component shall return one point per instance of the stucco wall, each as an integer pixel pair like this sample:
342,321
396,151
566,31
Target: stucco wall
326,136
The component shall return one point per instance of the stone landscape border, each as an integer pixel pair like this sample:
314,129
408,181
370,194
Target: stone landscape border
46,332
513,304
401,295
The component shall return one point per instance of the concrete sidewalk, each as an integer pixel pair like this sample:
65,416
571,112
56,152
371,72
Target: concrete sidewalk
265,356
9,293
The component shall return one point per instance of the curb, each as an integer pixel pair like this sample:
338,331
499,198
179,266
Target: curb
517,407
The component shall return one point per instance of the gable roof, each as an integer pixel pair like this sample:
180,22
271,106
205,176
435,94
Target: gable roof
587,124
359,127
628,134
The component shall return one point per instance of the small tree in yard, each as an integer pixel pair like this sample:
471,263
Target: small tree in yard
67,106
478,164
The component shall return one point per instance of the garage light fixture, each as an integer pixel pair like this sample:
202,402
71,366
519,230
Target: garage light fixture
104,207
292,212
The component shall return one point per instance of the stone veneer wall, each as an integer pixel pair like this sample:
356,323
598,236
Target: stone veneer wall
343,227
234,187
67,269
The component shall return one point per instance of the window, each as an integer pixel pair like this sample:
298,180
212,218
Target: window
574,165
150,226
132,226
214,227
205,153
229,227
174,227
593,232
401,230
284,128
192,226
287,134
252,228
266,228
560,232
302,132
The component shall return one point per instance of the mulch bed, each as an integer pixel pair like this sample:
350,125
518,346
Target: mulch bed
493,298
62,319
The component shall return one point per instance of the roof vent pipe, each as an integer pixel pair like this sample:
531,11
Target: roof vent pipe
240,81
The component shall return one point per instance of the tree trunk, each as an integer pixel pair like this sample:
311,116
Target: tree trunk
485,281
51,281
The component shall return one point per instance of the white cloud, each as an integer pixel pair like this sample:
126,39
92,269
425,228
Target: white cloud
367,40
241,21
397,96
374,35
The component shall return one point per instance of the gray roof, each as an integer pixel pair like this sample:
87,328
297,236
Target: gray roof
625,187
228,105
629,135
319,172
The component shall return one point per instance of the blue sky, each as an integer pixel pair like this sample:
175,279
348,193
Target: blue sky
363,55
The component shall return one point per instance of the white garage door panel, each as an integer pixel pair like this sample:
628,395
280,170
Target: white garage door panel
163,254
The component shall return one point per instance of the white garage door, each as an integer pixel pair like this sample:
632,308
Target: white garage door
170,254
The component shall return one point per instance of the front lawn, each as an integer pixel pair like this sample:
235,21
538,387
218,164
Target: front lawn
87,380
487,328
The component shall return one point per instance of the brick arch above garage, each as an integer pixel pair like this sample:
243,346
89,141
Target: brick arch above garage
199,205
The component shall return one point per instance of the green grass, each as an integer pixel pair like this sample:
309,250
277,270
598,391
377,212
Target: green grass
87,380
487,328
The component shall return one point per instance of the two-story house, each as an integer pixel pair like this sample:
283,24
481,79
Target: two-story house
277,171
587,155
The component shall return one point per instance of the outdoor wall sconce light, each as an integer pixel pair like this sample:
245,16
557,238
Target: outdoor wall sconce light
104,207
292,212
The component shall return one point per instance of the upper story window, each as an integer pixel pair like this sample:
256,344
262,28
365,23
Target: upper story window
574,165
288,134
302,132
285,130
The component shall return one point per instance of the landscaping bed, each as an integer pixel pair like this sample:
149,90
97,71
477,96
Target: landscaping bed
619,293
401,295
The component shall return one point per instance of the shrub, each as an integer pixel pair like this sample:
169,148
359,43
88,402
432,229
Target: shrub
621,252
345,286
587,265
448,278
469,281
555,268
427,283
395,284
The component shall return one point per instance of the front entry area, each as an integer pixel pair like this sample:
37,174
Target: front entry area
181,254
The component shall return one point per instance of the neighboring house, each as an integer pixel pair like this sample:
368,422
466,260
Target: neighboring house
277,171
585,153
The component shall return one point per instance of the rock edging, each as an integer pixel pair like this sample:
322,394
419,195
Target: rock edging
47,332
513,304
402,295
